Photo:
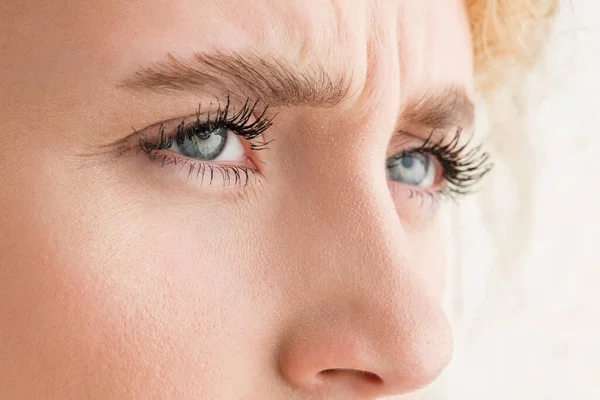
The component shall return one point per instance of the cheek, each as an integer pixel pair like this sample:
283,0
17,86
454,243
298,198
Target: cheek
422,224
133,305
421,218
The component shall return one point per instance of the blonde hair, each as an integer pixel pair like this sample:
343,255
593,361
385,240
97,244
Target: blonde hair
507,35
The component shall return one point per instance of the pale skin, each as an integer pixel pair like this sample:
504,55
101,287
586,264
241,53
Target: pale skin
121,278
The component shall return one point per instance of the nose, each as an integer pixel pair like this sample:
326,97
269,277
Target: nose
368,323
349,353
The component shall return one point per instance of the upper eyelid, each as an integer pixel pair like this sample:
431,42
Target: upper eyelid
160,136
403,141
248,119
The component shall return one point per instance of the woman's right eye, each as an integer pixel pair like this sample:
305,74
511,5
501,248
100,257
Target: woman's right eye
211,145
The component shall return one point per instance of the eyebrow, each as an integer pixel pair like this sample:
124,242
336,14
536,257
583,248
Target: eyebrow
274,81
278,83
439,108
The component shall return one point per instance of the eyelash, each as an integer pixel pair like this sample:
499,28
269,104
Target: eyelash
461,168
239,123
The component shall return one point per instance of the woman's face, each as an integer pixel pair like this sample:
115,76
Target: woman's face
224,199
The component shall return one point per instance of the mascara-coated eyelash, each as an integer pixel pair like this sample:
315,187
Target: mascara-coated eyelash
462,168
201,132
239,123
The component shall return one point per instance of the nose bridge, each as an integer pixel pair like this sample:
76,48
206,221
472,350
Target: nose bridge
345,227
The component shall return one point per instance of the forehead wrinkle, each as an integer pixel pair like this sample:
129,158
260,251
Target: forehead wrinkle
324,36
434,46
302,30
377,85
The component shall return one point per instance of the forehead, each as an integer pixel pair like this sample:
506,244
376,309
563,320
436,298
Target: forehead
429,40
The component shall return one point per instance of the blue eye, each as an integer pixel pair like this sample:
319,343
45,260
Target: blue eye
213,144
415,169
204,145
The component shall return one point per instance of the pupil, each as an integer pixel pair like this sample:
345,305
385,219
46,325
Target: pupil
206,144
408,161
409,168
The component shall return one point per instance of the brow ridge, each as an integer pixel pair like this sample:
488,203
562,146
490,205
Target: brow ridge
272,80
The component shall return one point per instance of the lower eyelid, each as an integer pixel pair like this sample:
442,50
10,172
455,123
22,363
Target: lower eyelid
424,196
217,174
405,197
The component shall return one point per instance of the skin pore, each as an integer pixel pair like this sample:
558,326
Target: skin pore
125,275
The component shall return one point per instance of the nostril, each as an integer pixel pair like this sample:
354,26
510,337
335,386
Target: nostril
364,376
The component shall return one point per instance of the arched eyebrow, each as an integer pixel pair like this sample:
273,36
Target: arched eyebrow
440,108
278,83
272,80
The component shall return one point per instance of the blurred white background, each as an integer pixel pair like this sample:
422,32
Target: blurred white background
525,287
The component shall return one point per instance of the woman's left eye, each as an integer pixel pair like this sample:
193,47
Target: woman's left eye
209,144
412,168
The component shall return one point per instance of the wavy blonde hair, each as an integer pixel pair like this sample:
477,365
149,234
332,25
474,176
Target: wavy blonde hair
507,35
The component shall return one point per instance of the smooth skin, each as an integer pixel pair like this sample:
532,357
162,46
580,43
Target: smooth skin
120,279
